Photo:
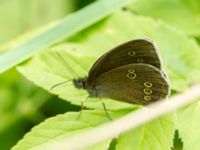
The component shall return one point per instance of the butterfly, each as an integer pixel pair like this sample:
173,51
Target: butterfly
131,72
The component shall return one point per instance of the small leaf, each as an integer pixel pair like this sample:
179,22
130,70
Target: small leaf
177,142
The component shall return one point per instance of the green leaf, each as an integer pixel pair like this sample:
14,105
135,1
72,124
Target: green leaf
63,126
188,120
155,135
65,28
179,53
172,12
177,142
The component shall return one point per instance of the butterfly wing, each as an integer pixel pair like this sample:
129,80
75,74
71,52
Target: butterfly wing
133,83
135,51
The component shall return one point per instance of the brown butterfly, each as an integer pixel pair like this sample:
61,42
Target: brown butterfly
131,72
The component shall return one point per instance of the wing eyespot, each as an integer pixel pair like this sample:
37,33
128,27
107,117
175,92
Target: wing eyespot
147,98
131,53
147,91
131,70
148,84
131,75
140,60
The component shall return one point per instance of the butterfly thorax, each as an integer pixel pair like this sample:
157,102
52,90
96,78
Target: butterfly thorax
82,83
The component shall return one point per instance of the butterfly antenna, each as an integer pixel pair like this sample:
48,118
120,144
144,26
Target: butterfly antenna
65,63
58,84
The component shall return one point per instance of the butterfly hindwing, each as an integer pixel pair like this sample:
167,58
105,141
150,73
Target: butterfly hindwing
133,83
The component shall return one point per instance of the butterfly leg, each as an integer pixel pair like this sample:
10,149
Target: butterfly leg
106,111
82,106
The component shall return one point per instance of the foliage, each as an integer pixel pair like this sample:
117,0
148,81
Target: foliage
177,142
23,99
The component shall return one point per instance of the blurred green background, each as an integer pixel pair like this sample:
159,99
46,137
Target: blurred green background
23,105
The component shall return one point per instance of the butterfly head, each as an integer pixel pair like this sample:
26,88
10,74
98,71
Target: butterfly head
80,83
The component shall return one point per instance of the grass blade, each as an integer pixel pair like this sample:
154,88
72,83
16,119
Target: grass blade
67,27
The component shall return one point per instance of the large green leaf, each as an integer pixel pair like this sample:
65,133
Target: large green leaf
174,12
155,135
179,53
63,126
63,29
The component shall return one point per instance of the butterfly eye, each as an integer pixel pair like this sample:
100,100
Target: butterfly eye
147,91
148,84
131,70
131,53
131,75
140,60
147,98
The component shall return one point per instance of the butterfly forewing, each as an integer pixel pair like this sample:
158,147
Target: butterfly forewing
135,51
133,83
